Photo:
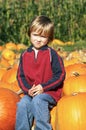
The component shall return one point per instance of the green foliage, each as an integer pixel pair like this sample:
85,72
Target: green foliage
69,17
79,45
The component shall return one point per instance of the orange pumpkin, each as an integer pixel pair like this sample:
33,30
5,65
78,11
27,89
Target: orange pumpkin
8,101
5,85
21,46
78,67
11,46
57,42
4,63
15,87
2,71
10,75
71,111
53,117
74,84
71,61
8,54
12,86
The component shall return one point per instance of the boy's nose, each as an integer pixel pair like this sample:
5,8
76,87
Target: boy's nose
39,38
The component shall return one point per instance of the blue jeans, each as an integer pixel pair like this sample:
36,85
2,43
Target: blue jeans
37,108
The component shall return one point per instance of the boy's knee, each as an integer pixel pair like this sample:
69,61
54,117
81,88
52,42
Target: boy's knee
23,102
37,100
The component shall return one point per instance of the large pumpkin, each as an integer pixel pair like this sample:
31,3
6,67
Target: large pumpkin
74,84
8,105
71,111
53,117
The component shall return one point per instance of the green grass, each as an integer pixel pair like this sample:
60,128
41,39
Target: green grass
80,45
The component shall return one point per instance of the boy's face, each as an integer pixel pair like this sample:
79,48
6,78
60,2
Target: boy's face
38,40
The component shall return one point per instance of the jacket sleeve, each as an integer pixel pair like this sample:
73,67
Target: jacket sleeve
58,73
21,77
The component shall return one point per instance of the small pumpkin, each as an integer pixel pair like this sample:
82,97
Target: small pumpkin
71,111
58,42
8,105
11,46
8,54
10,75
21,46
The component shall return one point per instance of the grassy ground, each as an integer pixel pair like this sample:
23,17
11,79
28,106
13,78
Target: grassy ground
80,45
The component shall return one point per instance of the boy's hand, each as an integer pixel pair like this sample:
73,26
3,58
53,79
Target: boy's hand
35,90
30,91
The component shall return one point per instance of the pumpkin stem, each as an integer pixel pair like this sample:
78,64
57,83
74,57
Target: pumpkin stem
76,74
75,93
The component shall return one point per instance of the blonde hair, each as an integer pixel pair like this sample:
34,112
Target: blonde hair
43,26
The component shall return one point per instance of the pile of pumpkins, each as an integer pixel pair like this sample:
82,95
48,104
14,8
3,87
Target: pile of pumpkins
69,114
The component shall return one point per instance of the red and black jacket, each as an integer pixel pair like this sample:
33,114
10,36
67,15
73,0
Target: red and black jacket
47,69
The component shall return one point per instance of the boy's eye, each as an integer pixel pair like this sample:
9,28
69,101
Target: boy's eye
35,34
44,36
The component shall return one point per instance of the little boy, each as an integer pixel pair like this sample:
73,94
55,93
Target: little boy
40,75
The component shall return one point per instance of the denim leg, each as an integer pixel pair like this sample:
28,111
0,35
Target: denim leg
40,109
24,117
